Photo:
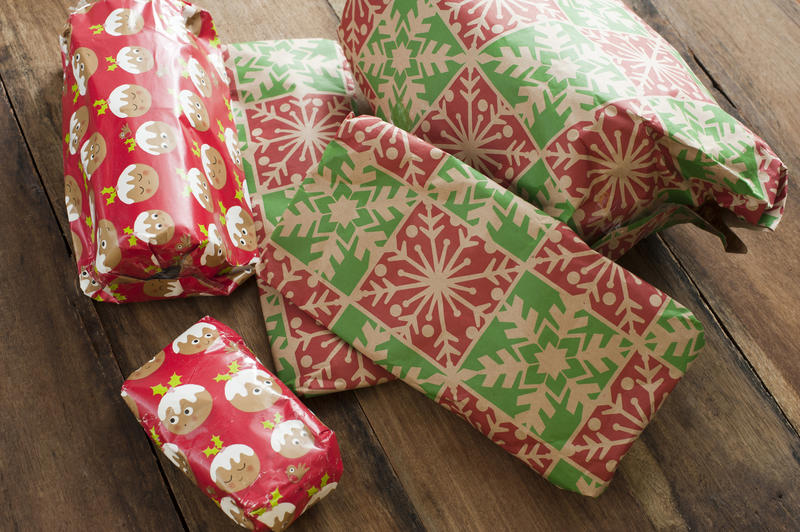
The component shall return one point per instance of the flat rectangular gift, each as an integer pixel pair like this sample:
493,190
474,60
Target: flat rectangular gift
153,180
579,106
479,300
289,98
234,429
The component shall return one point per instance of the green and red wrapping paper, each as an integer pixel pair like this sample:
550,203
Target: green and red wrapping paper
289,99
153,180
481,301
234,429
578,106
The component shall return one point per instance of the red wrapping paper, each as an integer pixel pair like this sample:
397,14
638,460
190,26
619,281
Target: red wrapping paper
578,106
153,178
233,428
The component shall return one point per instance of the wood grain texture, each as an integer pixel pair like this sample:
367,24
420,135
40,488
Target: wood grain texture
70,458
720,454
135,332
754,56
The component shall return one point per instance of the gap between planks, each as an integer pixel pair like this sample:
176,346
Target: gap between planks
752,373
82,309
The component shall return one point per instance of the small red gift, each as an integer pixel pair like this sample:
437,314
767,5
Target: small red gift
233,428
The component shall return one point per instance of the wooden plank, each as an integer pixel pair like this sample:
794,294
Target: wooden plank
701,453
32,70
72,457
681,475
754,57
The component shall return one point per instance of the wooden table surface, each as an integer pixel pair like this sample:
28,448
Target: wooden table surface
724,452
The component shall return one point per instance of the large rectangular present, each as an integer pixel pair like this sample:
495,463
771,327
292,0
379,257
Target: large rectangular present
153,180
579,106
289,98
481,301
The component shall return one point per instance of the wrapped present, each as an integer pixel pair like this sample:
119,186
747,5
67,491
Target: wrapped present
153,180
481,301
289,99
234,429
580,107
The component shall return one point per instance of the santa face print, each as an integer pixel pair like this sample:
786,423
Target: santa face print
232,143
78,124
184,408
84,64
241,229
154,227
93,153
219,65
149,367
179,460
214,166
194,110
228,505
279,517
73,198
135,59
252,390
162,287
108,252
199,77
318,496
199,187
156,138
235,468
123,22
88,284
214,252
138,182
195,339
77,247
129,100
246,194
292,439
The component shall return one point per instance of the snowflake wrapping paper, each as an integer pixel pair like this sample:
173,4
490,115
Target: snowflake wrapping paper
577,105
289,99
481,301
234,429
153,181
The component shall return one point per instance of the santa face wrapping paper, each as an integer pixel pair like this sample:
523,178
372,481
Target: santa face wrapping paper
153,180
479,300
234,429
579,106
289,99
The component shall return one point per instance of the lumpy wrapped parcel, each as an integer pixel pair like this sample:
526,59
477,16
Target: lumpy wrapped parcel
235,430
154,188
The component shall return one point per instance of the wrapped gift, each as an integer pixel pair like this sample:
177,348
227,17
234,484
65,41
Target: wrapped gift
289,99
233,428
580,107
153,178
481,301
